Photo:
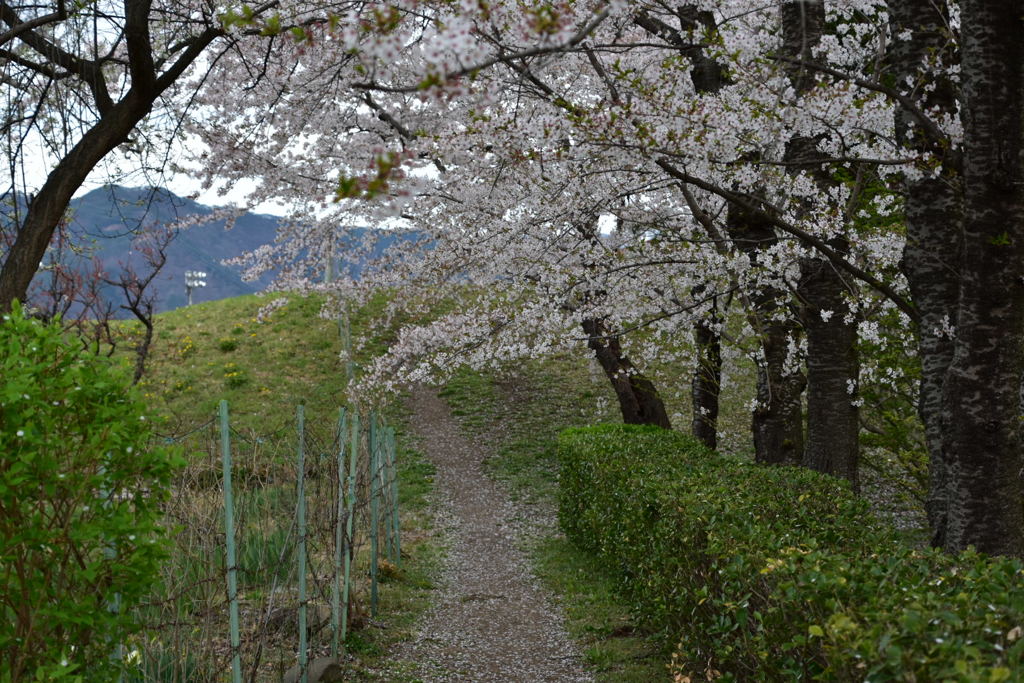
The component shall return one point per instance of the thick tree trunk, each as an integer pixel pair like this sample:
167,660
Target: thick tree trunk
777,421
982,394
639,401
707,379
933,210
833,426
933,213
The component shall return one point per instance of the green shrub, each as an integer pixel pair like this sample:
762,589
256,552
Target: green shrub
186,347
227,344
80,500
234,376
777,573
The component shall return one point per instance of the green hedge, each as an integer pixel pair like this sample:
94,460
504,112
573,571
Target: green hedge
779,573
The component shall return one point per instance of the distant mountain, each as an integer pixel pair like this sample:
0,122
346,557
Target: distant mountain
107,218
104,222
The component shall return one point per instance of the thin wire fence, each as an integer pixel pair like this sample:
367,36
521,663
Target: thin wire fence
281,537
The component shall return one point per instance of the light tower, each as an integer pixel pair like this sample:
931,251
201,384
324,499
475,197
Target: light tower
193,279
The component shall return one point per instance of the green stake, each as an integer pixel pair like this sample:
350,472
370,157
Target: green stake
339,536
385,489
229,537
374,514
396,534
350,510
302,545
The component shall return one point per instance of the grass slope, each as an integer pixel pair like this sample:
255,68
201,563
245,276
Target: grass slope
217,350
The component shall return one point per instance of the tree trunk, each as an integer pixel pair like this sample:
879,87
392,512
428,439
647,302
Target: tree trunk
142,348
639,401
933,214
707,379
833,425
930,262
982,394
777,420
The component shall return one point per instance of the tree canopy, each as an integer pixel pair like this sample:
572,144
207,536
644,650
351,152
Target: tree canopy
617,175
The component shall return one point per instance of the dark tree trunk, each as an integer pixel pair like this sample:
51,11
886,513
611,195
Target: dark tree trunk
933,214
833,426
707,379
982,393
639,401
777,421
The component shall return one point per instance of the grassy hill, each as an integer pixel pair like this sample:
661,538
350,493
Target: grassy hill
218,350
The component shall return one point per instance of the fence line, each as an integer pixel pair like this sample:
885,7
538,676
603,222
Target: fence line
267,560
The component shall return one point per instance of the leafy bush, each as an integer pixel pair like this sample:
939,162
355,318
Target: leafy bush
758,573
80,500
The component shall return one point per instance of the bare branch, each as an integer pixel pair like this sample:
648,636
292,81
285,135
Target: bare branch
10,34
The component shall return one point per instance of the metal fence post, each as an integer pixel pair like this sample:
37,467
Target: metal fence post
339,535
350,511
385,489
396,533
301,514
374,512
229,534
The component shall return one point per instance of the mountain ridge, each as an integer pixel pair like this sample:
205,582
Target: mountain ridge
107,219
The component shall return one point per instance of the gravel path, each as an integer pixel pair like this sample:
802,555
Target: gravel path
491,621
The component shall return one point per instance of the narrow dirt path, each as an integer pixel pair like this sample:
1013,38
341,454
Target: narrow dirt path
491,621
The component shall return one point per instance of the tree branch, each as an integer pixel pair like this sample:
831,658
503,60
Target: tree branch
10,34
807,238
89,71
580,36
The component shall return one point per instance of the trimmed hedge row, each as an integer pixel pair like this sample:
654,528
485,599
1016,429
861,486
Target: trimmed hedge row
779,573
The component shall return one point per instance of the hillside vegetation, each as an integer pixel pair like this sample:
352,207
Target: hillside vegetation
219,350
264,369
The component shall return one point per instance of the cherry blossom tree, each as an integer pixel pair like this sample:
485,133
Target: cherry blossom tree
561,119
756,153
